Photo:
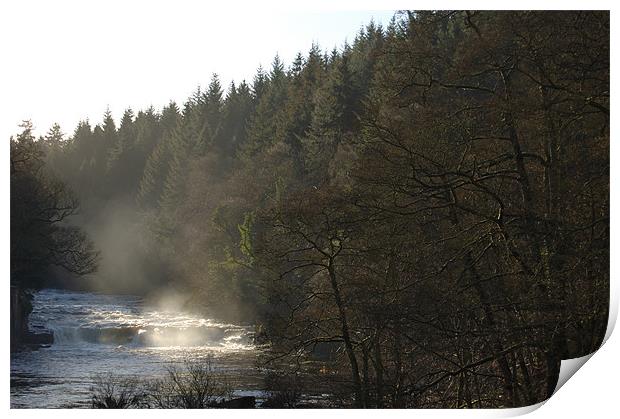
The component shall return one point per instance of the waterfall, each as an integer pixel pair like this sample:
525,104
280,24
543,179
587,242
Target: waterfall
95,319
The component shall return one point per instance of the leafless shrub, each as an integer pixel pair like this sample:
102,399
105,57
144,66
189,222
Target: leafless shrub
193,386
284,390
114,392
196,386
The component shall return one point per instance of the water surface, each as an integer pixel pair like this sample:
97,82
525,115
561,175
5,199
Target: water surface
119,334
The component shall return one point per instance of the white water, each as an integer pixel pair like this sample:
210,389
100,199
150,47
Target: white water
97,333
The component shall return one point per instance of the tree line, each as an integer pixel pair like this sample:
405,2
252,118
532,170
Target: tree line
428,205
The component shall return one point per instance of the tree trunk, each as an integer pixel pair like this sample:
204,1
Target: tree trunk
378,370
346,337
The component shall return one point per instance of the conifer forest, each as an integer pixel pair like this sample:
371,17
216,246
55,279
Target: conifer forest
418,218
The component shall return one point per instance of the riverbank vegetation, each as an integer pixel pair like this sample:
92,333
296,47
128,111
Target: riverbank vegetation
425,209
195,386
44,245
40,206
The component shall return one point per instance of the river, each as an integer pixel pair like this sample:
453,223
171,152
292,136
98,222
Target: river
120,334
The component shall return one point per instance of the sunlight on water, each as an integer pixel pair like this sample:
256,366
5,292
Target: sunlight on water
97,333
78,318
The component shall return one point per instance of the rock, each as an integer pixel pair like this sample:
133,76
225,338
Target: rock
38,338
21,306
246,402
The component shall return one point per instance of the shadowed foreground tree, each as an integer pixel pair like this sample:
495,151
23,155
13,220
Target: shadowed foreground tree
41,238
446,267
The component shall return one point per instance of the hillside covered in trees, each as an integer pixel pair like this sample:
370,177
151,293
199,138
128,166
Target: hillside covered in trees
428,205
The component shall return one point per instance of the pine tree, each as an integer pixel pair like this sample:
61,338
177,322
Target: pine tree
295,119
263,126
236,110
189,139
332,118
213,111
156,168
363,58
297,66
169,117
149,129
126,136
154,138
54,142
259,85
109,130
54,136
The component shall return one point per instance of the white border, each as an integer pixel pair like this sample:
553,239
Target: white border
591,393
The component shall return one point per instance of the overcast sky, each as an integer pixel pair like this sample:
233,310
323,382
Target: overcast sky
64,61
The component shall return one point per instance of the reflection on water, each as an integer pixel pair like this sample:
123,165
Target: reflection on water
96,333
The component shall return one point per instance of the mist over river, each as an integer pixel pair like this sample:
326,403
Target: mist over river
124,335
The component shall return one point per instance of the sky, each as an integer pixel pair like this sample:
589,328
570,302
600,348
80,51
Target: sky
66,61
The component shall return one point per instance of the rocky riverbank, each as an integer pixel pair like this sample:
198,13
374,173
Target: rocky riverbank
21,307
